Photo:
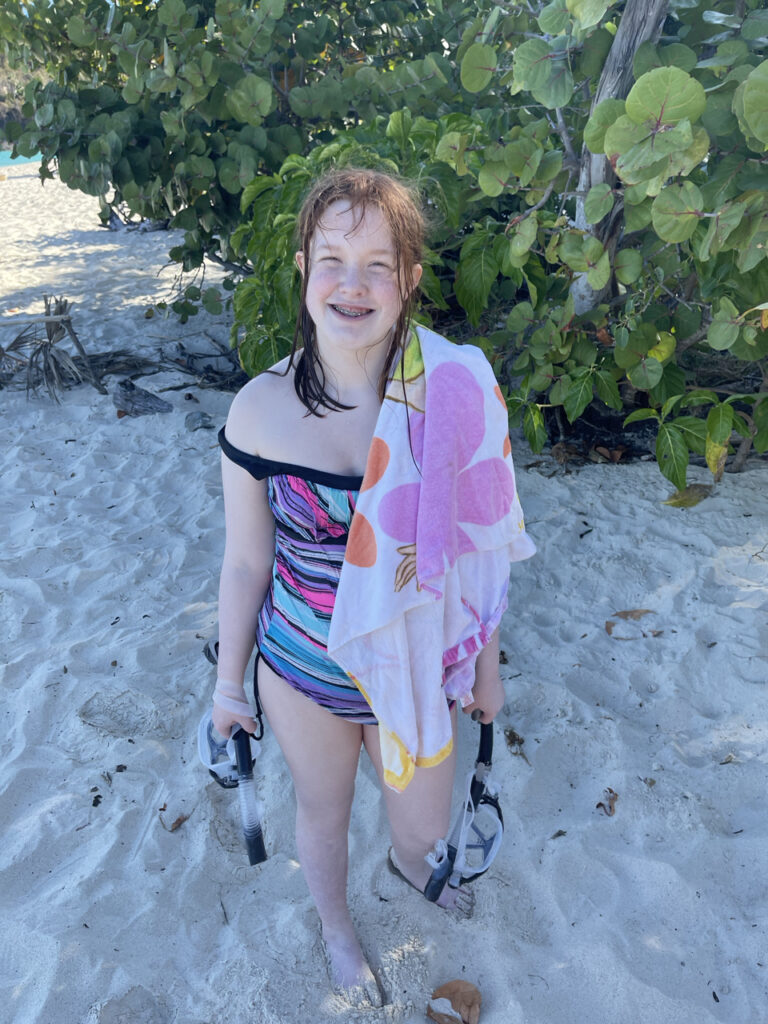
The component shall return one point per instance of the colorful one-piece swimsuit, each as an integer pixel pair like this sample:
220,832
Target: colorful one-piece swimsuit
313,513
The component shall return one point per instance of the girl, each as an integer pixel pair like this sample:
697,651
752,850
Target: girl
333,459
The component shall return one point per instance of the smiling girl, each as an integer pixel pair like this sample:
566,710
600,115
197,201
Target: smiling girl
327,478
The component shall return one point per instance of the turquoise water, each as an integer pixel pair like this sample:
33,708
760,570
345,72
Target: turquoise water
5,159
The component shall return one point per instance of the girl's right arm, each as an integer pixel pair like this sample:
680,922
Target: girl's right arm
246,569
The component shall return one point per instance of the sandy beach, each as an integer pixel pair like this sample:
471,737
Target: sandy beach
113,533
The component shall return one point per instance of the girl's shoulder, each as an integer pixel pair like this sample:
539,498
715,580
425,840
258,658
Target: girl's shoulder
258,405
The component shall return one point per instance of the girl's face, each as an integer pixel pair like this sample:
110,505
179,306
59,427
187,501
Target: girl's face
353,294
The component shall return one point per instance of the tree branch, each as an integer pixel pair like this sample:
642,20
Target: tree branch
233,268
562,129
514,221
692,339
640,22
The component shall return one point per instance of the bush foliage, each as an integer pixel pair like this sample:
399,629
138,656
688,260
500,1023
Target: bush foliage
597,172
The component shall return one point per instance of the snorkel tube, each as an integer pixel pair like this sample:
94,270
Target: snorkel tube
230,763
448,859
250,812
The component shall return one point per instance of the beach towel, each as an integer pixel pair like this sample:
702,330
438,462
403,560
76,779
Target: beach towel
426,572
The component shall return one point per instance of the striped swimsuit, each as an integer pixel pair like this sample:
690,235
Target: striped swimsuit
313,512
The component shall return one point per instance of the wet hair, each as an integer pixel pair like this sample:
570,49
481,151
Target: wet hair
400,209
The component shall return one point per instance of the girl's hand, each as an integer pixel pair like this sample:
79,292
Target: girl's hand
488,691
488,697
224,722
230,708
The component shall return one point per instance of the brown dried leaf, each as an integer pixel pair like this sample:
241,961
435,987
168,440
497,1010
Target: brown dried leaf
608,803
441,1017
633,613
179,822
689,496
609,627
465,999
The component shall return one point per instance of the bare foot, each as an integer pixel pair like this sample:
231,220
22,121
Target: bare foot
351,976
460,900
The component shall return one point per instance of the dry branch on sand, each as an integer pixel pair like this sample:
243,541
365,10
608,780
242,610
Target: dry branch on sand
37,346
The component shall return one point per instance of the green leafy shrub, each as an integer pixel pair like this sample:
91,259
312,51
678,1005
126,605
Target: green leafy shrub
599,171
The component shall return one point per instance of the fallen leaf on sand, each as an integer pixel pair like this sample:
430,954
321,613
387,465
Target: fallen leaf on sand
611,454
633,613
515,743
176,824
608,803
689,496
463,1003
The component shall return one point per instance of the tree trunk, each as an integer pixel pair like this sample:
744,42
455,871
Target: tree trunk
640,22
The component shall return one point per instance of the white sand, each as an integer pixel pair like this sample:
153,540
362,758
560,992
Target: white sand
112,538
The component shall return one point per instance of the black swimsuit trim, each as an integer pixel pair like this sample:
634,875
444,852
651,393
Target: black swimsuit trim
262,468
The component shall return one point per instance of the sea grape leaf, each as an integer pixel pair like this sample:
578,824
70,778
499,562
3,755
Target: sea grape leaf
523,157
599,274
598,203
531,63
755,102
81,32
520,318
251,99
557,90
622,134
524,237
600,120
451,149
492,178
646,374
724,329
588,12
477,67
553,19
628,265
676,212
666,96
664,347
755,25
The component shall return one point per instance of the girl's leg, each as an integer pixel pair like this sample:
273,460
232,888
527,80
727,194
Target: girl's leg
419,816
322,752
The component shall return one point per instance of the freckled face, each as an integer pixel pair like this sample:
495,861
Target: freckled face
352,291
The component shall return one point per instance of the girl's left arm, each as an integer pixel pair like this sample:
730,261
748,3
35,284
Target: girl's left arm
488,691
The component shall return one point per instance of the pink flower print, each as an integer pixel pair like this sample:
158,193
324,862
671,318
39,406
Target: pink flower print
451,491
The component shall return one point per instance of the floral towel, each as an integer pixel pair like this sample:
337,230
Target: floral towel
426,572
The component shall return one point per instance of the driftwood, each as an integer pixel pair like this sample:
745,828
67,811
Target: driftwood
46,362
